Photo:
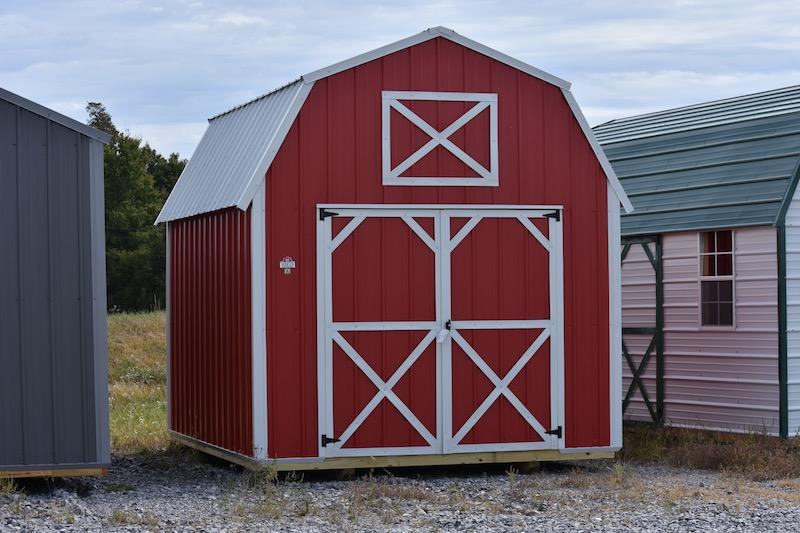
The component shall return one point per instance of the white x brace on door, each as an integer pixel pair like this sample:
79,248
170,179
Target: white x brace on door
443,333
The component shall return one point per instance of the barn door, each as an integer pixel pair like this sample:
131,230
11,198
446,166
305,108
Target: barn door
439,330
502,300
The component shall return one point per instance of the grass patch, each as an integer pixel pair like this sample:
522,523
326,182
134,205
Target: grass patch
137,369
118,487
7,486
754,456
120,517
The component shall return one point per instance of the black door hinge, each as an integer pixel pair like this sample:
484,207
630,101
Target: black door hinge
327,440
323,214
556,432
555,214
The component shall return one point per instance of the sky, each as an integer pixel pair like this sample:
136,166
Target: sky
162,67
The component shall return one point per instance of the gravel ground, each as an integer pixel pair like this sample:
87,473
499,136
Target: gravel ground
179,492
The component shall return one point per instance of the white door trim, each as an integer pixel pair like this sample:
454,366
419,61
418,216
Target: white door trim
442,245
329,333
258,283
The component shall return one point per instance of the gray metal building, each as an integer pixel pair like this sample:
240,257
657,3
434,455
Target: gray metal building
53,360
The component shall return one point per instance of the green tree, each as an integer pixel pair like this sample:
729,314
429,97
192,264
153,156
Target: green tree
137,182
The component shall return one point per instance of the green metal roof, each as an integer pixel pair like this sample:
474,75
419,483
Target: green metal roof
727,163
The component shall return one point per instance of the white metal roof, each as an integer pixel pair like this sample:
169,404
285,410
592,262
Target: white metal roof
239,145
235,152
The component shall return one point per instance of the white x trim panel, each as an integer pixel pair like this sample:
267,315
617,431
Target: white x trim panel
385,388
394,100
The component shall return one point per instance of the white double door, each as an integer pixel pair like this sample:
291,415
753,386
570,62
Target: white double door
439,329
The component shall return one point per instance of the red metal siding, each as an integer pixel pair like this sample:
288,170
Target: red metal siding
210,333
332,155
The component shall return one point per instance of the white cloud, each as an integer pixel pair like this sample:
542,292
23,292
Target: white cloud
240,19
163,66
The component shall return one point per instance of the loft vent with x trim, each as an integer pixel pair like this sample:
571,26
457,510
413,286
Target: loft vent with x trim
480,102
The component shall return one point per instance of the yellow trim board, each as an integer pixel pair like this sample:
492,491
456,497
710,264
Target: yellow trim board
341,463
333,463
210,449
67,472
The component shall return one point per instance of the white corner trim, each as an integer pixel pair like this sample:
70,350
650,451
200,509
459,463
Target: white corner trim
259,324
272,147
427,35
613,180
168,320
615,318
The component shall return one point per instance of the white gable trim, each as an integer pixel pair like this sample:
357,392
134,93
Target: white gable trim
613,180
427,35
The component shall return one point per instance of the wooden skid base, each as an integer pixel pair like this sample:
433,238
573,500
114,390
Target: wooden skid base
70,472
337,463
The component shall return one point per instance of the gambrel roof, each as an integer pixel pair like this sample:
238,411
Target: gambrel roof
239,145
720,164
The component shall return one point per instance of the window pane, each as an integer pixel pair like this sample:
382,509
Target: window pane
710,314
725,241
726,314
724,264
708,242
709,267
725,291
709,291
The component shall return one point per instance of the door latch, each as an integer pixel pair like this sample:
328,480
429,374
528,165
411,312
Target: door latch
443,333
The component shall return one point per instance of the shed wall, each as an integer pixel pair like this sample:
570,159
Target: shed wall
53,370
332,154
792,225
725,378
210,329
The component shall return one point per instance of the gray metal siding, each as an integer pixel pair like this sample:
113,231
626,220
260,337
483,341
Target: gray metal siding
707,114
49,355
729,175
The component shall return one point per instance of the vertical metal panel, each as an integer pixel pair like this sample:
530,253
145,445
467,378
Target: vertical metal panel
48,349
210,329
99,302
12,445
332,155
724,378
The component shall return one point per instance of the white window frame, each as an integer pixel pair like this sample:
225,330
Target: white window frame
701,278
487,177
447,438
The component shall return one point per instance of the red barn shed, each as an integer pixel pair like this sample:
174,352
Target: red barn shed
399,259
